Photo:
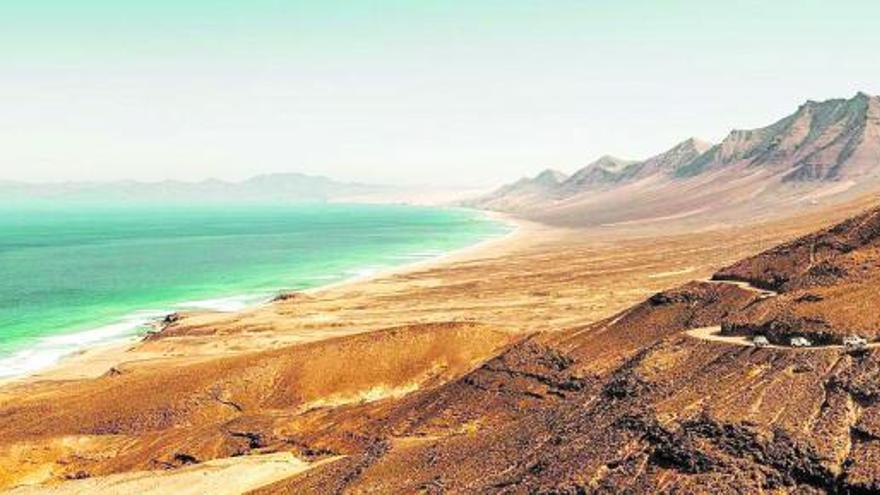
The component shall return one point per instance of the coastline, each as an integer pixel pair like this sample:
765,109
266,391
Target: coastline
519,228
299,367
92,360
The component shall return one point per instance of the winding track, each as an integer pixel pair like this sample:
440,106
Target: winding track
712,333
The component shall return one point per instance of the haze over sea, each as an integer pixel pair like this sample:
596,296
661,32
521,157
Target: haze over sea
75,275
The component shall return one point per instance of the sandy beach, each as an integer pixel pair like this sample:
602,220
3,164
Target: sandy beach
359,342
95,360
439,248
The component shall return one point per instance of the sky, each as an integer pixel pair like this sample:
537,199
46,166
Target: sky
448,93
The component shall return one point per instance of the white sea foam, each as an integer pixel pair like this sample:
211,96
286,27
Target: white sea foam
226,304
364,272
49,349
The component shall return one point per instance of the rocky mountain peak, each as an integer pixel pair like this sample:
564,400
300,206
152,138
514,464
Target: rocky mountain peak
821,142
610,163
606,170
694,144
550,176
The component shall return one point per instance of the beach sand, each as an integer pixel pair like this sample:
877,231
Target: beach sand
135,406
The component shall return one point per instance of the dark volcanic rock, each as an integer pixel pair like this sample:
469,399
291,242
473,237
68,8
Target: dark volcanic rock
813,260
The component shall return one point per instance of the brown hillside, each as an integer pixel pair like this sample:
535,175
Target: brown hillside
496,378
630,404
829,283
626,405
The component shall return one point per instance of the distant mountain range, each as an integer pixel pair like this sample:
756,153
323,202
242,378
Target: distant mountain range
821,150
291,187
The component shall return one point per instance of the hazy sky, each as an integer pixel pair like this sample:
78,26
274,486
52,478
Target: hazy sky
444,92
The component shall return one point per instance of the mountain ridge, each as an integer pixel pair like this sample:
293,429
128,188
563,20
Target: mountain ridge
291,186
822,150
636,402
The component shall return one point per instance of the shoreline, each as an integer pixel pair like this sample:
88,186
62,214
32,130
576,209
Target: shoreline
519,228
81,363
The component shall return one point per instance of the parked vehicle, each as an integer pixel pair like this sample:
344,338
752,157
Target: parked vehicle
800,342
760,341
854,343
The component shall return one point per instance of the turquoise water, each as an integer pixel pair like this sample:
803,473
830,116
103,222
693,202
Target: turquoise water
74,275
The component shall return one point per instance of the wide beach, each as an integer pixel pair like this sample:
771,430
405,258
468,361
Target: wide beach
362,341
89,275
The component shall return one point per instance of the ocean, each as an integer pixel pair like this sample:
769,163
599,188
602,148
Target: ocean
75,275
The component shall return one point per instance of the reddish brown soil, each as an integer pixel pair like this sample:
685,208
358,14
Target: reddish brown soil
828,283
497,378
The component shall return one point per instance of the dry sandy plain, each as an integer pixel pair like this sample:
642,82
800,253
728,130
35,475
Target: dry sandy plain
175,409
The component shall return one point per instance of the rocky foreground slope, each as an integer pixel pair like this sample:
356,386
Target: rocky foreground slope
634,404
630,404
827,283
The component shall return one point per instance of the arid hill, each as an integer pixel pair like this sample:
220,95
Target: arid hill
828,284
633,403
525,191
177,415
824,152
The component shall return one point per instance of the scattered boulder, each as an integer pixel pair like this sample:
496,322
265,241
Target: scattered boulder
288,296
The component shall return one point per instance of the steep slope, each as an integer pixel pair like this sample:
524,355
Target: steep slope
524,191
825,151
828,283
632,404
187,413
629,404
815,260
669,161
828,140
606,173
605,170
